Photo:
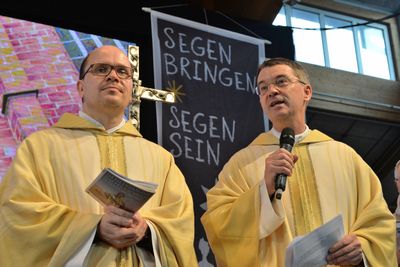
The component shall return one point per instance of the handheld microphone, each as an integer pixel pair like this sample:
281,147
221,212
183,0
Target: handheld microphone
286,141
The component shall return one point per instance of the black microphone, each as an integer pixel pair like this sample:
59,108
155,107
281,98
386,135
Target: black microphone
286,141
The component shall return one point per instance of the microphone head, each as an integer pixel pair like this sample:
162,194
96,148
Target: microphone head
287,137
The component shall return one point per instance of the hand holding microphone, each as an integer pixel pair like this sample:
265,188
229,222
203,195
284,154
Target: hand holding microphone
286,141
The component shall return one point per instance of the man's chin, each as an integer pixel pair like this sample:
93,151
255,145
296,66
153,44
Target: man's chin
277,115
113,102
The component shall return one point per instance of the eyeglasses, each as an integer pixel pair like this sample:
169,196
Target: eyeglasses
103,69
280,82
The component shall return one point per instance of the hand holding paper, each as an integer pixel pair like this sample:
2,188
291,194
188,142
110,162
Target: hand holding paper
347,251
312,249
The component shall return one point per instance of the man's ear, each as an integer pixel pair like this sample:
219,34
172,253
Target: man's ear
307,92
130,96
80,86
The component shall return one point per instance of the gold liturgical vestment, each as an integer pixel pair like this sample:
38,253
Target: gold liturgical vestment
46,215
329,178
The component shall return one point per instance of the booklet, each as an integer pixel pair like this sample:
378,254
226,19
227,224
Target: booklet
312,249
112,188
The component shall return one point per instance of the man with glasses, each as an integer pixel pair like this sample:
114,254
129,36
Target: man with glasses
47,218
248,225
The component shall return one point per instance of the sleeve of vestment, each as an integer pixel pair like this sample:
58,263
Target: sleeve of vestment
375,225
232,219
173,220
34,229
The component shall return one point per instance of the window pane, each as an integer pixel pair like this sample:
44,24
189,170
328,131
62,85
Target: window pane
308,43
373,52
340,42
280,19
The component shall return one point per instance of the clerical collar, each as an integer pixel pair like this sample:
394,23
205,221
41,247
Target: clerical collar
297,137
111,130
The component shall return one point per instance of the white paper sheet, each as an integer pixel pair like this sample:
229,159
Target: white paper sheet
312,249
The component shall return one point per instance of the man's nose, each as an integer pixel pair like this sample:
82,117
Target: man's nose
113,75
272,90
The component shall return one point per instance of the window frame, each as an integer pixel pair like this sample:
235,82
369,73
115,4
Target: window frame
324,13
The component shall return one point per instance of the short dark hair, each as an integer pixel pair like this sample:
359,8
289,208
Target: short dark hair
298,69
82,69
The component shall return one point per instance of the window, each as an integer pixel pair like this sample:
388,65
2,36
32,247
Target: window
361,49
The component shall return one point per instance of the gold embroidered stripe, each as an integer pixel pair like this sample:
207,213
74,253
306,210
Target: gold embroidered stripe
304,193
112,153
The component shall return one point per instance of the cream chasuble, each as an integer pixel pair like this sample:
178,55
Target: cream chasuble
329,178
46,215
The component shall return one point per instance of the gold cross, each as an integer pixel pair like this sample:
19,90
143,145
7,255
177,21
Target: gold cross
140,92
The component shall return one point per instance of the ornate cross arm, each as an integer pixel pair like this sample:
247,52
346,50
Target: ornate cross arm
139,92
157,95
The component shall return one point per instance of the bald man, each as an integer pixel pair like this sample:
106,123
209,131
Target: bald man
47,218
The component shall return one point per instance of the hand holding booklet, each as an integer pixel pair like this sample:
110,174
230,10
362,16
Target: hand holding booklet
312,249
112,188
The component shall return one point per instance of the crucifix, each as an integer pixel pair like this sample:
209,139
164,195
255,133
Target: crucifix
140,92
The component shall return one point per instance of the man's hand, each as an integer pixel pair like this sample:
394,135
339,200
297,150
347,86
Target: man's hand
121,228
280,161
346,251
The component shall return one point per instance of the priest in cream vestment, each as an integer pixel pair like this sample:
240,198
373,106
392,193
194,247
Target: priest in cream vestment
47,218
247,226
